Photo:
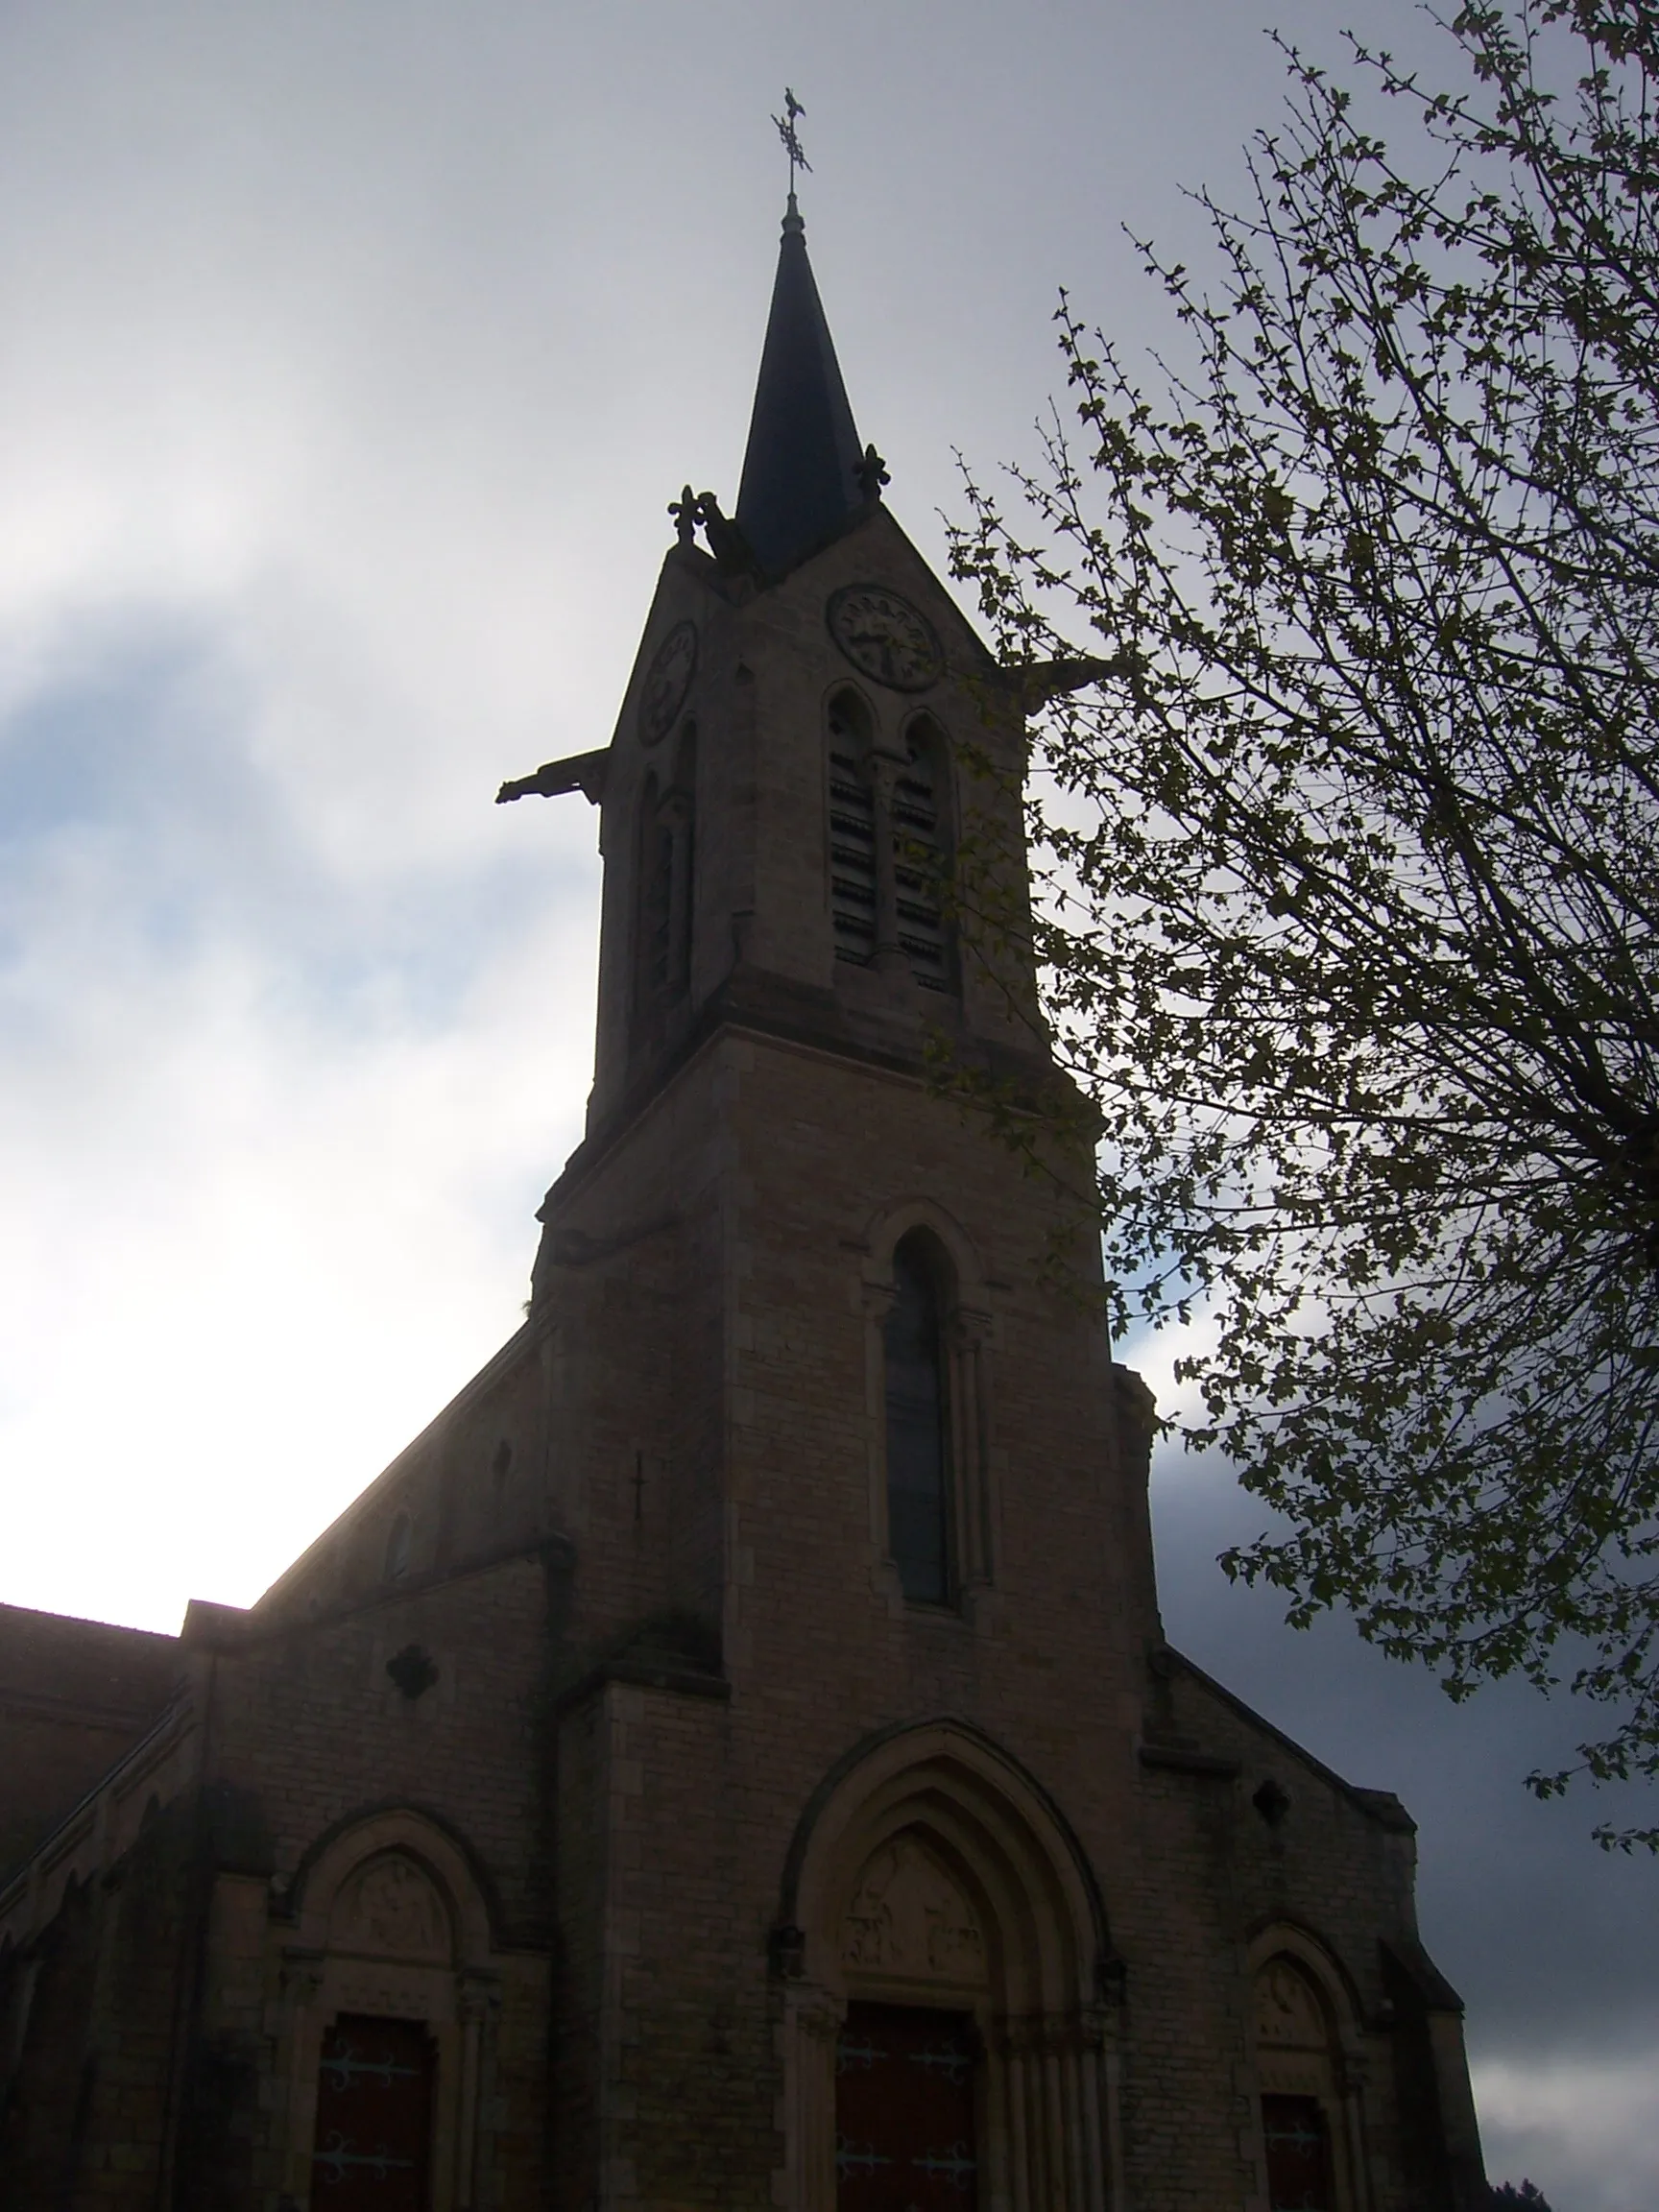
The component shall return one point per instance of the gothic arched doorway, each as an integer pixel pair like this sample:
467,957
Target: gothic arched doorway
944,2042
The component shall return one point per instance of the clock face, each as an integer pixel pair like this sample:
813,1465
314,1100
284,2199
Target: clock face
885,637
667,680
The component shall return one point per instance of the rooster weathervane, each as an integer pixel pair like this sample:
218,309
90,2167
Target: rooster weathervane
791,137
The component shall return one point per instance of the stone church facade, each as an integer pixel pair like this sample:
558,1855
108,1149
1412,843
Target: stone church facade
732,1759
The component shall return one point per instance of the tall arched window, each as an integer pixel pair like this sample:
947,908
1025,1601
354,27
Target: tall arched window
922,852
853,885
918,1426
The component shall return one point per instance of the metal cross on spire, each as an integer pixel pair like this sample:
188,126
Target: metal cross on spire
791,137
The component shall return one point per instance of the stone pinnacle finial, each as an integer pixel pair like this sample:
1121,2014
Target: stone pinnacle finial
685,517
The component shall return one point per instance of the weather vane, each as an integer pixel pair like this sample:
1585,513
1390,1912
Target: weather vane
791,137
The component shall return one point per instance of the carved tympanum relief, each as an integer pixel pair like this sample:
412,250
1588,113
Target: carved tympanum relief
909,1918
1288,2008
390,1911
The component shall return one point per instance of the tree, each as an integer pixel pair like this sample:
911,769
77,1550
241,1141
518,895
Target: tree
1529,2196
1347,855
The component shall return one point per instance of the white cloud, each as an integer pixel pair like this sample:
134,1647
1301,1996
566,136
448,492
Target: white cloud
251,1252
1154,1353
1586,2129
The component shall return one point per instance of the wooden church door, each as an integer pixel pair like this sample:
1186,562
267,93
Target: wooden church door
906,2139
1298,2155
373,2148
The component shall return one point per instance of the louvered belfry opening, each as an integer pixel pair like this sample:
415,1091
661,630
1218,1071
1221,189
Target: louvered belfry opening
889,844
667,826
853,888
921,849
657,904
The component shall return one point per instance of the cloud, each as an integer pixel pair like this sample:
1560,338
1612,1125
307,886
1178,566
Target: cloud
243,1319
270,1139
1586,2130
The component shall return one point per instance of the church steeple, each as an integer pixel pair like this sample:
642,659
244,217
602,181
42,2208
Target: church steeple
802,471
780,800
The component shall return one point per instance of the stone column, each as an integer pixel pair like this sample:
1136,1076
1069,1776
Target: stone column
1015,2051
811,2027
1351,2073
1060,2141
301,1986
479,2002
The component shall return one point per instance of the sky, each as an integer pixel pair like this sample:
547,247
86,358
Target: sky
352,353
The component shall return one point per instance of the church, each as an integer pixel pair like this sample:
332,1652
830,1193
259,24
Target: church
731,1758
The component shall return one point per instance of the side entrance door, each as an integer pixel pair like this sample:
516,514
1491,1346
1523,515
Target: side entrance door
373,2150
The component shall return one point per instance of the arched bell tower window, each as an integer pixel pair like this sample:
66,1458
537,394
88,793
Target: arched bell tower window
666,842
918,1424
889,843
852,873
922,855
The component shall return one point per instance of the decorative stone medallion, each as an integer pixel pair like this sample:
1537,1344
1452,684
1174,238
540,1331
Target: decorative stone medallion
884,637
667,680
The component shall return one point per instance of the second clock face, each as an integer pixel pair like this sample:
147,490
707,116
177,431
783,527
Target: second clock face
667,680
881,633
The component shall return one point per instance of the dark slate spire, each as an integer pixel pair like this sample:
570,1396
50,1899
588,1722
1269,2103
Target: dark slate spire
801,472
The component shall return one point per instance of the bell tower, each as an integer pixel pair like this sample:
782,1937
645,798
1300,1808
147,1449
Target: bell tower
843,1420
809,729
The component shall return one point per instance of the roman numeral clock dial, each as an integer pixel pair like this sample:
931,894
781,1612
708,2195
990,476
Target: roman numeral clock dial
667,680
884,637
